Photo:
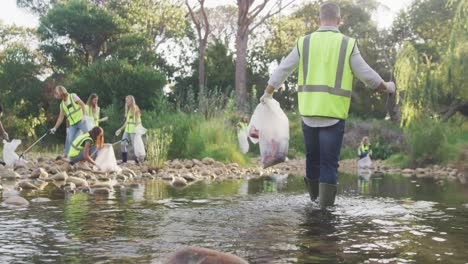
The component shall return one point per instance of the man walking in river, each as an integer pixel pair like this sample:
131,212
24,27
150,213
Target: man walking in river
327,62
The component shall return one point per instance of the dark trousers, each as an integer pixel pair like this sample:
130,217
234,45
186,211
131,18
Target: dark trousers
323,145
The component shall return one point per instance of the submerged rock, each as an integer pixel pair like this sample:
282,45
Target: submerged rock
16,201
179,182
27,185
101,191
203,256
9,175
40,200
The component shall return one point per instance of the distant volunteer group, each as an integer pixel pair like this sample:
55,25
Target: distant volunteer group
85,119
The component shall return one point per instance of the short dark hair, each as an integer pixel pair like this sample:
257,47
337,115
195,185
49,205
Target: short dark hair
329,11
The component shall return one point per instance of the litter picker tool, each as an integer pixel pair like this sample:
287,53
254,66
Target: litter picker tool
32,145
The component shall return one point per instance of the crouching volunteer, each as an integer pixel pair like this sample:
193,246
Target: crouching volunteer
364,149
327,61
73,109
86,146
132,120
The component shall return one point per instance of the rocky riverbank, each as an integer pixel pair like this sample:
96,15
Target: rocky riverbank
38,173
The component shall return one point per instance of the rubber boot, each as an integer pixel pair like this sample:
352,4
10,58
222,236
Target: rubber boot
313,188
124,157
327,193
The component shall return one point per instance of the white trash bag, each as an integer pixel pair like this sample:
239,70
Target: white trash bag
243,142
365,162
106,159
269,125
9,155
89,122
138,145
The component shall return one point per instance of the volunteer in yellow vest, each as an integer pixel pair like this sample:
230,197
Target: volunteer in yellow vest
364,148
73,109
327,61
242,125
93,110
85,147
132,120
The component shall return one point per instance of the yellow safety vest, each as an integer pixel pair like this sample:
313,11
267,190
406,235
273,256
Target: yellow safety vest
365,148
72,110
94,114
325,78
132,121
243,127
78,145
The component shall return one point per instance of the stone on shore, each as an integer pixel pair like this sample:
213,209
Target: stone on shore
16,201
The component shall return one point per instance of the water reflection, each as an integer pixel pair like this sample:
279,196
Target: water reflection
265,220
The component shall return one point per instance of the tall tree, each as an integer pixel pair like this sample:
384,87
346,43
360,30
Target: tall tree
248,19
202,26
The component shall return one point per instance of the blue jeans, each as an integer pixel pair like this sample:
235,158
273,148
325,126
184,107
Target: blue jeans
127,138
92,153
323,145
74,132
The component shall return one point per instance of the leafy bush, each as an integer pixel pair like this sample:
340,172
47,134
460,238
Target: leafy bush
212,138
296,139
428,143
158,144
114,79
400,160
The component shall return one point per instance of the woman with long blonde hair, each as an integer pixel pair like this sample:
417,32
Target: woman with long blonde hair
93,110
364,148
132,120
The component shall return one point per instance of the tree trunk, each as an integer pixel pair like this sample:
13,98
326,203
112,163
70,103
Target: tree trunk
201,72
242,38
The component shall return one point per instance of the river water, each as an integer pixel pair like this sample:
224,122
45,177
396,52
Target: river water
387,219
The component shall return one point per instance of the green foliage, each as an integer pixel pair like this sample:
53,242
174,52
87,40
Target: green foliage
87,25
180,123
115,79
296,139
347,153
212,138
427,139
158,144
400,160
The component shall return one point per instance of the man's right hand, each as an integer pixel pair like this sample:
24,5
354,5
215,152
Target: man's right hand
391,88
53,130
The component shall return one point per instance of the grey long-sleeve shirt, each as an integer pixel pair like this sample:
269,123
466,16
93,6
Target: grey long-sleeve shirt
359,67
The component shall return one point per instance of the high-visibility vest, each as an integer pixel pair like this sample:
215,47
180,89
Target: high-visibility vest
243,128
365,148
78,144
325,78
72,110
132,121
94,114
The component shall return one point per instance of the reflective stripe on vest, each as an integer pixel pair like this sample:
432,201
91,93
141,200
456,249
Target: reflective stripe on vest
75,114
325,78
94,114
131,121
77,145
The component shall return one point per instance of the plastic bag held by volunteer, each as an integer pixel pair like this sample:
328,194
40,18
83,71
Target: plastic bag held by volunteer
243,143
138,145
89,122
106,159
9,155
269,126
